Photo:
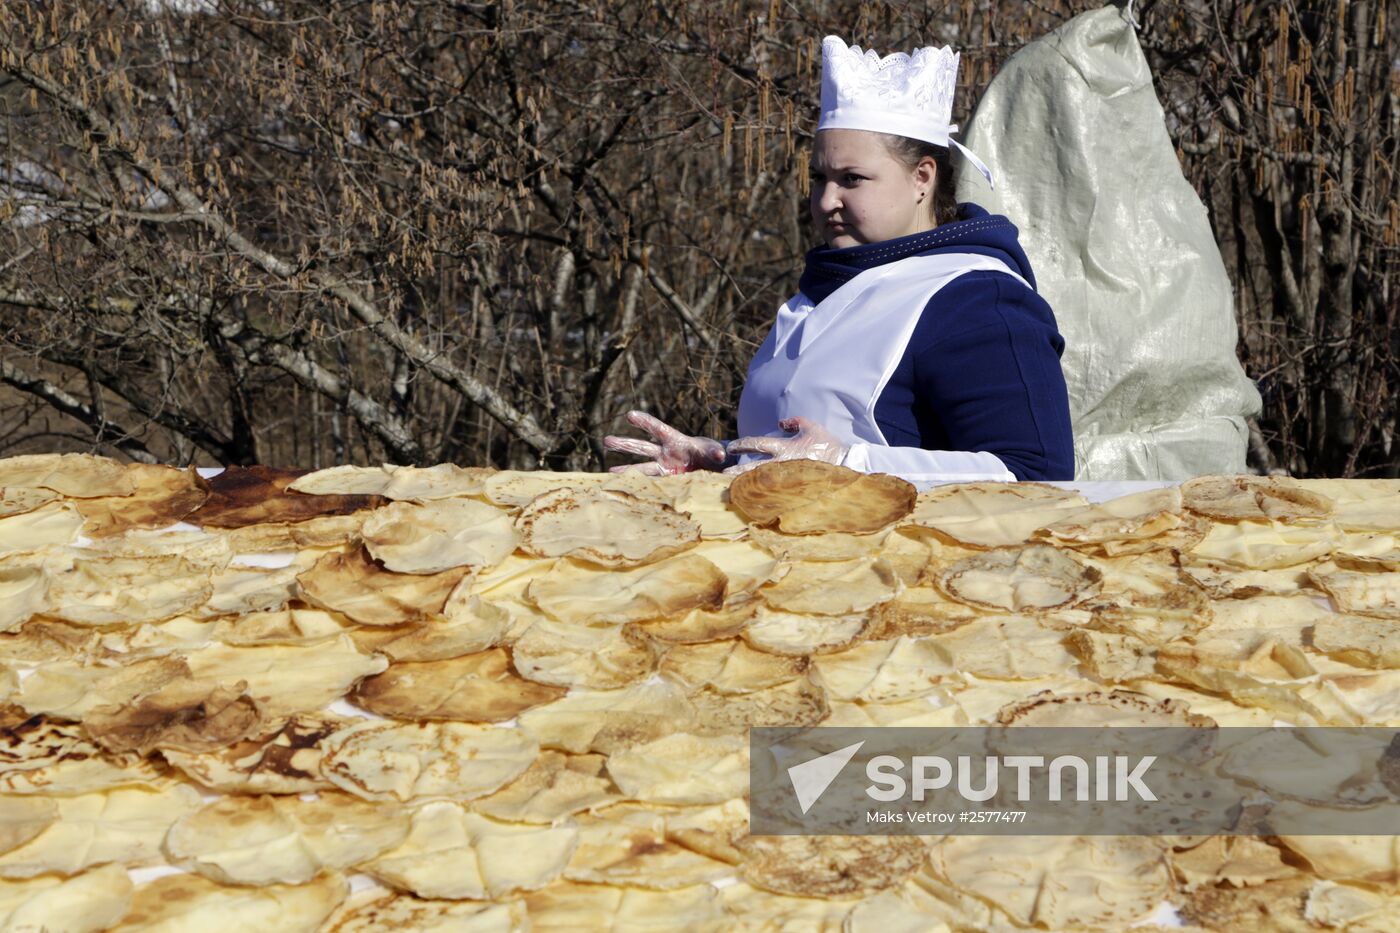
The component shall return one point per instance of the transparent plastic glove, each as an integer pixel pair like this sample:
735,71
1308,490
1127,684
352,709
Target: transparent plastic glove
810,441
670,450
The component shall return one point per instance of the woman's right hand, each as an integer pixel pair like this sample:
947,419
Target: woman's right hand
669,451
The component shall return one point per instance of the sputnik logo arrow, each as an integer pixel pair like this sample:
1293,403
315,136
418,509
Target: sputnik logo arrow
811,778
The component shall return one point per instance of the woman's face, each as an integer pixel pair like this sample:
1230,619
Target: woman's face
862,194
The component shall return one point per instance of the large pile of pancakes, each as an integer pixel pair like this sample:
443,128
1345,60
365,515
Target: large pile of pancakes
500,700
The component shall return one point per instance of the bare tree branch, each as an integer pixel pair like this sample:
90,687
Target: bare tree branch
104,429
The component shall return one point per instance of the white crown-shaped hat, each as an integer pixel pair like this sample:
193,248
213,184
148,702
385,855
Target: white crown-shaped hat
903,95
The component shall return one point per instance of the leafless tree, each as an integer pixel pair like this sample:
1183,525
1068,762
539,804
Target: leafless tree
1288,121
319,232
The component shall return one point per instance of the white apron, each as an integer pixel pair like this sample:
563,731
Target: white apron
830,362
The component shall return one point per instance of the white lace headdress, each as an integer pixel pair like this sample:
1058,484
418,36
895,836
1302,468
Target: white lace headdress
905,95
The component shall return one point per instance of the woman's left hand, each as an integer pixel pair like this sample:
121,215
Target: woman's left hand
810,441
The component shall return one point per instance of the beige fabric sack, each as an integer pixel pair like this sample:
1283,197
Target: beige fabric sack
1121,248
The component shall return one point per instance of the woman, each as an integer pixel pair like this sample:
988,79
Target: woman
916,343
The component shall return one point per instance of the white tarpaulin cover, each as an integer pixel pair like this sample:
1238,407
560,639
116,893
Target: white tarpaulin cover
1121,248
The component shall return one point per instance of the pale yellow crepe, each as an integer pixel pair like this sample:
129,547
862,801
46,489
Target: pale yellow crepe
439,535
404,761
85,903
183,902
78,476
453,853
123,825
282,840
419,484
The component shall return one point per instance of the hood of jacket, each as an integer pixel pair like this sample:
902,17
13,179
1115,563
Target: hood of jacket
975,231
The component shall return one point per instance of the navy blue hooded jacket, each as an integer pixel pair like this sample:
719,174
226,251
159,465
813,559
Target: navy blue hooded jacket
982,369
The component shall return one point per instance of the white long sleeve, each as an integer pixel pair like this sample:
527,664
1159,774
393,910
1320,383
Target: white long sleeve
918,465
